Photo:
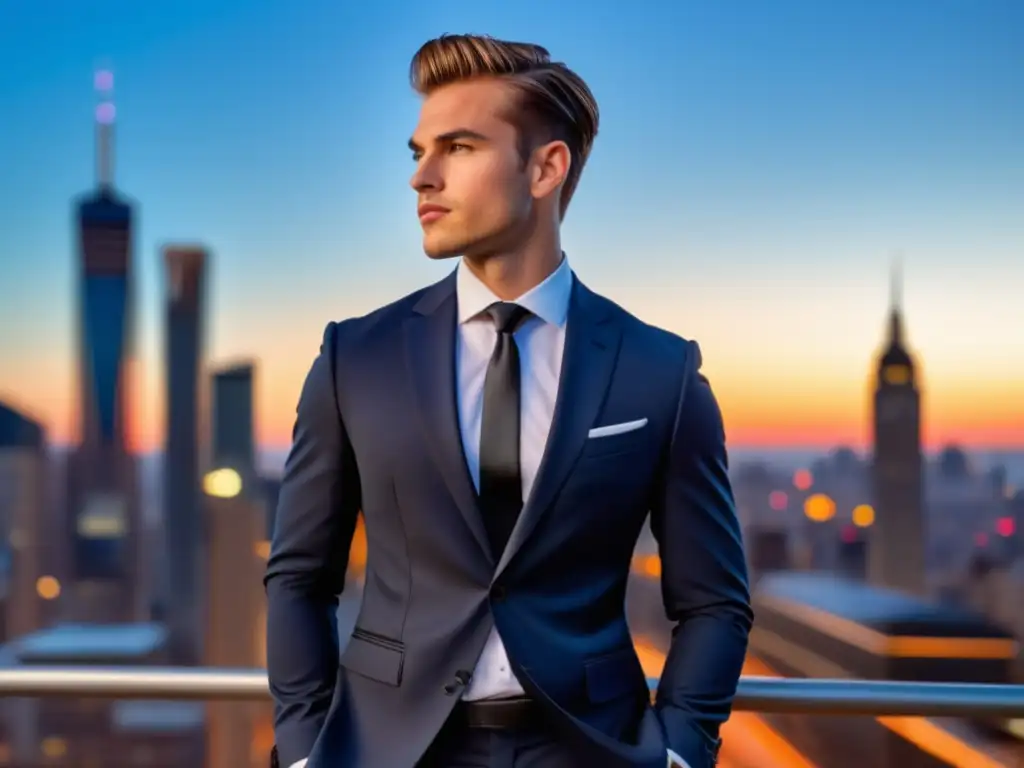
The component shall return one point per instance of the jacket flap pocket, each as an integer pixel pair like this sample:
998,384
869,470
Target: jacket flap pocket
377,659
613,675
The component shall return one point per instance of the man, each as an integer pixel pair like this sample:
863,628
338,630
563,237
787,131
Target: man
506,434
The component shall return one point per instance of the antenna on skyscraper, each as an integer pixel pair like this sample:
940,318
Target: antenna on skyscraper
896,283
103,82
896,300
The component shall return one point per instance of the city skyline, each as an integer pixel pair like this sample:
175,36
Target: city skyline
759,221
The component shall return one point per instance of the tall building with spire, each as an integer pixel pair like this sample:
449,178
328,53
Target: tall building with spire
896,556
106,581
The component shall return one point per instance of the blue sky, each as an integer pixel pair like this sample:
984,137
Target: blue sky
757,167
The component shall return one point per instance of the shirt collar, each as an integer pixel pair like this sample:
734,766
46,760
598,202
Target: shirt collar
549,300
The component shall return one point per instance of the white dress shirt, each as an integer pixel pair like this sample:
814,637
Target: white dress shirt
541,342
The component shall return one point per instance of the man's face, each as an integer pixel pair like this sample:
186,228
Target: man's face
472,188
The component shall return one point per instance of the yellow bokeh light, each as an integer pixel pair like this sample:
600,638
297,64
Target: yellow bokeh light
819,508
223,483
863,515
262,549
48,588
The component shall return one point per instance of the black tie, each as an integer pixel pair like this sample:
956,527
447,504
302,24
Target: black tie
501,485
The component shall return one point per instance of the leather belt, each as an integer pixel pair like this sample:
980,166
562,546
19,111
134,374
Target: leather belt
498,714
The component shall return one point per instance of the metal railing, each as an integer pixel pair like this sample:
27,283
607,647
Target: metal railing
760,694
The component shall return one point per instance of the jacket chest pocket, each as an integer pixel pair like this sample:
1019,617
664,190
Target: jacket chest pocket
623,444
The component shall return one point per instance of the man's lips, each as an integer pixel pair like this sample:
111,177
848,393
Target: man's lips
429,212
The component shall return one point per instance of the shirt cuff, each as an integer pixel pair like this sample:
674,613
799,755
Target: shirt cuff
302,763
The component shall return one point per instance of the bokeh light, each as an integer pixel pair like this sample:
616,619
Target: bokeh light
1006,526
48,588
819,508
223,483
802,479
863,515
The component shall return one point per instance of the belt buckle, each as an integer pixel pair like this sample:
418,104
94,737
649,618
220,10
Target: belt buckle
498,714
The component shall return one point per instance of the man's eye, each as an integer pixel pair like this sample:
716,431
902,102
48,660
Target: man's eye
416,156
458,147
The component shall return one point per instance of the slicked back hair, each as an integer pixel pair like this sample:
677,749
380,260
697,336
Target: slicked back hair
554,102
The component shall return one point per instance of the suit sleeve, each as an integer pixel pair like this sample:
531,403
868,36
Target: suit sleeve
315,521
704,575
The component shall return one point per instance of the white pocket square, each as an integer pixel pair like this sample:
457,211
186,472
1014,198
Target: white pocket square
617,429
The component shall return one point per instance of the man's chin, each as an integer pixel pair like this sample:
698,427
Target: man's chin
439,251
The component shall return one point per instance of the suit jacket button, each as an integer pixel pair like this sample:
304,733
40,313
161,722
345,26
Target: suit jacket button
450,689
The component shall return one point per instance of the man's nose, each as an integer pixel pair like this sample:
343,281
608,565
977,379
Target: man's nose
426,177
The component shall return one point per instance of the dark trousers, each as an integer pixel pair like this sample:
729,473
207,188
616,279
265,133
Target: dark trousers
460,746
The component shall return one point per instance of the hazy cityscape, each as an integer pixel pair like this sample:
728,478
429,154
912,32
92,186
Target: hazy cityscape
114,554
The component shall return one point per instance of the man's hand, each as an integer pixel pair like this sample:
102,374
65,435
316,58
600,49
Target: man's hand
675,761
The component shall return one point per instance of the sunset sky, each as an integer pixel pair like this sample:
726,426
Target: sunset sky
758,167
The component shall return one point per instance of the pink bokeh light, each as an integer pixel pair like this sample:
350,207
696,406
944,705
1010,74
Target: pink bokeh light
104,80
1005,526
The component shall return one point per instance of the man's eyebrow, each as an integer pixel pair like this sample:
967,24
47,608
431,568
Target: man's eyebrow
444,138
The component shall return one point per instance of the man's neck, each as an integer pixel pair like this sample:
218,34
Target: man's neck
508,276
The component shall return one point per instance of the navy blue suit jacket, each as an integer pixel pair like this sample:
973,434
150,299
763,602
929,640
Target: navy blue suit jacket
377,430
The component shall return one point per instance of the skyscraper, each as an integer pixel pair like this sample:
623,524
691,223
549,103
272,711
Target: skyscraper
235,614
185,268
102,491
234,441
23,514
235,523
896,553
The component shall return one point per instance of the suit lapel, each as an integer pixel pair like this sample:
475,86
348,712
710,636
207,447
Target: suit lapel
430,355
588,361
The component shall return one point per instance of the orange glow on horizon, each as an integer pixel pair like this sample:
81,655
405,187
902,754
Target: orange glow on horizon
136,416
274,433
777,413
